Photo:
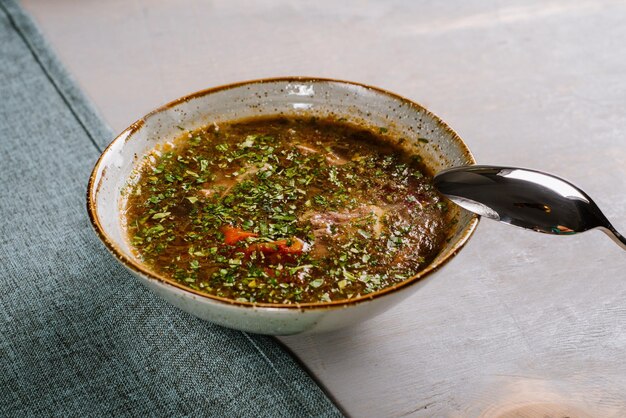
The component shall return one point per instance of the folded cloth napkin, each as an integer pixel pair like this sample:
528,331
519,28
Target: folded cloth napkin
79,336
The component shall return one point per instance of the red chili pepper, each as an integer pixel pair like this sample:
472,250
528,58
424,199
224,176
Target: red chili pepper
233,235
295,247
281,246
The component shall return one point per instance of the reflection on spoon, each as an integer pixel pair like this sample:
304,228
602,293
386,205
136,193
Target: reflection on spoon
525,198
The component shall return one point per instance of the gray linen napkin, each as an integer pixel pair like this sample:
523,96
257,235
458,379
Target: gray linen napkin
79,336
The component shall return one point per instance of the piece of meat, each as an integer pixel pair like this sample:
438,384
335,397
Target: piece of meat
223,184
328,225
208,193
323,222
306,150
330,156
378,214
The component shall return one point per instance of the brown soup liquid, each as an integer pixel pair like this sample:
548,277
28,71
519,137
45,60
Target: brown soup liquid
284,210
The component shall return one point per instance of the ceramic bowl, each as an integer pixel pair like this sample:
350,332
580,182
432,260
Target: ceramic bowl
357,103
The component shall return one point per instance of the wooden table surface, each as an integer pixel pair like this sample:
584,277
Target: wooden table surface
519,323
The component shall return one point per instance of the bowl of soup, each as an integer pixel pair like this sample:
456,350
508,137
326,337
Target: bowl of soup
281,206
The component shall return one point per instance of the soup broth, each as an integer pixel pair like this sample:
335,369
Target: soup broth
285,210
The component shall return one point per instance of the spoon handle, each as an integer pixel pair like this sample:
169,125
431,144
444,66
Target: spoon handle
614,235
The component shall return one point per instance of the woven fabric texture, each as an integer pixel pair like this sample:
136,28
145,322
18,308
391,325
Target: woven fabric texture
79,336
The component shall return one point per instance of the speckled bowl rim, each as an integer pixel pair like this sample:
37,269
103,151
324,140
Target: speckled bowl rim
139,268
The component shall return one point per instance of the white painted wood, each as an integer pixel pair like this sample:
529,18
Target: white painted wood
520,324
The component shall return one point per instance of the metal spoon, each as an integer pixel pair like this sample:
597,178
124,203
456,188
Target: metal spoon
525,198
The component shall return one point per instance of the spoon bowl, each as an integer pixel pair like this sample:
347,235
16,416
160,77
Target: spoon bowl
525,198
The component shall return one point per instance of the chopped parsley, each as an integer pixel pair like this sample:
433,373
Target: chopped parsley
280,210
